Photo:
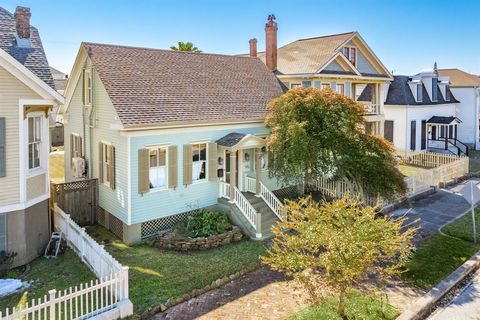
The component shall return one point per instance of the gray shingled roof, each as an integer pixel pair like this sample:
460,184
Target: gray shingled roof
399,93
155,87
442,120
230,139
34,57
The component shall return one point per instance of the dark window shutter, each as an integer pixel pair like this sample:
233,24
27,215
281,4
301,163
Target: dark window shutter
413,135
388,131
3,158
424,135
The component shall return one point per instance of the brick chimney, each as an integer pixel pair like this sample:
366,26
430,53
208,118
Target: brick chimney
271,43
253,47
22,19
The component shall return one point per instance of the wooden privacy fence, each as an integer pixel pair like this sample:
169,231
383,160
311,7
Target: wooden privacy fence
442,168
78,198
105,298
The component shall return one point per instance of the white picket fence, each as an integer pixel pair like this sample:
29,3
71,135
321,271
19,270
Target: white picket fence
105,298
442,168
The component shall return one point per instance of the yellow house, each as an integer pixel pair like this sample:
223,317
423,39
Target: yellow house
27,95
343,62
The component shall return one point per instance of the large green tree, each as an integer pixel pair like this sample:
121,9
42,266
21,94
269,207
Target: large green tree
185,46
320,133
333,246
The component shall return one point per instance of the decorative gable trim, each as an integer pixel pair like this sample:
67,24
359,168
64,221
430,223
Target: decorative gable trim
343,62
371,56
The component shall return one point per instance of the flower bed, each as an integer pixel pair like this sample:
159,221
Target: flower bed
171,241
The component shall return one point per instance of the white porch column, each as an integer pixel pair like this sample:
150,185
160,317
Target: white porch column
258,170
233,174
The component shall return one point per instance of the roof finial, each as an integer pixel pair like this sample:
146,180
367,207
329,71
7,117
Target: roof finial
435,69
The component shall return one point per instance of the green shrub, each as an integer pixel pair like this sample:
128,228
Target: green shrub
207,223
6,260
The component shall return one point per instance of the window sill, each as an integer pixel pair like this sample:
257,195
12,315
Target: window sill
156,190
204,180
35,172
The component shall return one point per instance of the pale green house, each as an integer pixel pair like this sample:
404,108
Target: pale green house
167,132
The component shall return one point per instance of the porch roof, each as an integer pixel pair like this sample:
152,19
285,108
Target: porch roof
443,120
237,140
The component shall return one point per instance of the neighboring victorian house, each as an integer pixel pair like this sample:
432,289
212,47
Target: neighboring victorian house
420,114
27,94
167,132
56,127
343,62
466,88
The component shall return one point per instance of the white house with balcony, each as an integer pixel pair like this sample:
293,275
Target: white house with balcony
343,62
421,114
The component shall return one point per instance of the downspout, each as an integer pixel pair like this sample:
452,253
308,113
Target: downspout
92,123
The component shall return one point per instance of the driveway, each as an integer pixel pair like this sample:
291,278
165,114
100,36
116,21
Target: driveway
435,211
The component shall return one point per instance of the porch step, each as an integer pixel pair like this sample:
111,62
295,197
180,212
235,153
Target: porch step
269,218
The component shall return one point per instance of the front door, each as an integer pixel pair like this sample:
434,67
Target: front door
228,167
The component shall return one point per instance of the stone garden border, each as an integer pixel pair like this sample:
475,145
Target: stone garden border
424,304
195,293
163,241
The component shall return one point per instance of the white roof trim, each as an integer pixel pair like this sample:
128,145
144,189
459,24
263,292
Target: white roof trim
73,79
338,54
356,34
23,74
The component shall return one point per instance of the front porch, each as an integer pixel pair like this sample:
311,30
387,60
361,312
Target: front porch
242,162
442,136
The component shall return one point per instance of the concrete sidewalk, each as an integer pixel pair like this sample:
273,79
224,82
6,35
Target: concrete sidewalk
435,211
465,306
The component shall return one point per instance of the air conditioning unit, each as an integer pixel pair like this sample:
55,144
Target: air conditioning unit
78,167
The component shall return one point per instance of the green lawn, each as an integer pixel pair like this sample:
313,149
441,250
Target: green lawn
407,170
157,275
474,163
358,306
462,227
61,273
440,255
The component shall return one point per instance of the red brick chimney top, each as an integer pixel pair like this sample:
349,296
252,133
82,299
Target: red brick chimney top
22,19
253,47
271,43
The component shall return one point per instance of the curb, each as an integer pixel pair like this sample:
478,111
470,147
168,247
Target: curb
196,292
422,305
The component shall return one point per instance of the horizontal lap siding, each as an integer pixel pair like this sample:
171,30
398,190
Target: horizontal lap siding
11,91
73,124
114,201
163,203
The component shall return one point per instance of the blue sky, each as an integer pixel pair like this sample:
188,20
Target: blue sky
407,35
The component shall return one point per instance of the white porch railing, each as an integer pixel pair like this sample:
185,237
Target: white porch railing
268,196
371,108
250,184
271,200
245,207
106,298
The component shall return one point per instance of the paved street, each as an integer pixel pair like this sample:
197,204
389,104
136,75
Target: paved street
466,306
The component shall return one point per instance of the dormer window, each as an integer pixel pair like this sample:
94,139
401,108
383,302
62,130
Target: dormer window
351,54
419,92
434,89
447,92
